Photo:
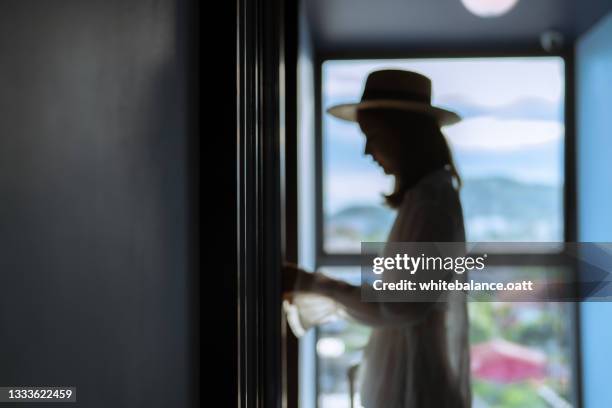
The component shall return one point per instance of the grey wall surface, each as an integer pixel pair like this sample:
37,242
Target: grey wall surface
94,209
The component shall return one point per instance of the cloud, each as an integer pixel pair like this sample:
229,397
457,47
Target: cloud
343,89
492,134
530,108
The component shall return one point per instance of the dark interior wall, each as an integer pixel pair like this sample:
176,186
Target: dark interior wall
94,210
589,13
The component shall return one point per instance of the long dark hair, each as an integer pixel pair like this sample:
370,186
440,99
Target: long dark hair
424,148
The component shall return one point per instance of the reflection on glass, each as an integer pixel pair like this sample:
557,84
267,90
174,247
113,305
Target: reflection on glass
508,149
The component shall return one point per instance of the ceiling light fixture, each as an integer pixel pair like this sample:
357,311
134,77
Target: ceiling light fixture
489,8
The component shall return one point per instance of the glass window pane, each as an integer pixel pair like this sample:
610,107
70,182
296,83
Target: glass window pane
539,331
520,351
508,149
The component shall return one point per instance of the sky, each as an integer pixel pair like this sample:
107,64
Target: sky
512,126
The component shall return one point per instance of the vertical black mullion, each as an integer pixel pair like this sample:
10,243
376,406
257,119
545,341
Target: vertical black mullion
269,231
257,261
289,182
251,174
570,217
242,49
249,187
226,246
570,202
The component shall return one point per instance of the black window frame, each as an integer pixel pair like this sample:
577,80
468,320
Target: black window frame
325,259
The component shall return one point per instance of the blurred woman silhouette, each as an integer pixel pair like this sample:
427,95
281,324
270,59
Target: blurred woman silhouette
418,353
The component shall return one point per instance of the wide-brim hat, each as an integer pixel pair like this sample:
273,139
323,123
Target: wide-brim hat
396,89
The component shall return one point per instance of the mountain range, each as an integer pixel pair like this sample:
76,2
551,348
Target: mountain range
495,209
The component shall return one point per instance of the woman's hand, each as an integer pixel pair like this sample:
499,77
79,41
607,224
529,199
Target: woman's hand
295,279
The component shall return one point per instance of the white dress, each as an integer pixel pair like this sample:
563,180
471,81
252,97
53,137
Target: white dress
411,360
